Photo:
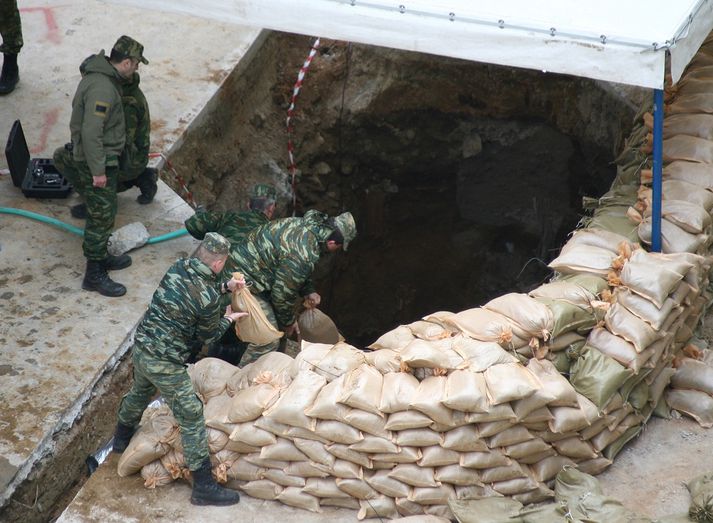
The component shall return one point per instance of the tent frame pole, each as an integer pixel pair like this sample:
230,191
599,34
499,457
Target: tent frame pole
657,172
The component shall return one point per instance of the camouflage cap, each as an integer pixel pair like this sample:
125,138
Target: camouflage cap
215,243
131,48
346,225
263,190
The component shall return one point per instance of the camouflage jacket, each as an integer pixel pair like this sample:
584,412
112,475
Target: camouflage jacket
184,311
97,121
135,157
235,226
279,257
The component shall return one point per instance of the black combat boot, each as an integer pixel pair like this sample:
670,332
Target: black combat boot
122,437
115,263
10,74
147,184
97,279
207,492
79,211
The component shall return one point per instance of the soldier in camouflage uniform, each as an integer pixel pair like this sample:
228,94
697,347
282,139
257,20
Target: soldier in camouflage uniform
134,159
184,310
236,225
11,31
278,258
98,137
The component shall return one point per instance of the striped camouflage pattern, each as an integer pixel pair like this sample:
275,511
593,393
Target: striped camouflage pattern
235,226
279,257
152,373
137,122
10,27
184,310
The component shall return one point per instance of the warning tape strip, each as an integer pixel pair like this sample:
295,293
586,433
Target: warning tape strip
288,122
179,179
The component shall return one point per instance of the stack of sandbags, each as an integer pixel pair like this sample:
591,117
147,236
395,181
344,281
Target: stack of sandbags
691,391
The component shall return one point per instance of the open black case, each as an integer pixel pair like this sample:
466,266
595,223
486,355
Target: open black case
36,177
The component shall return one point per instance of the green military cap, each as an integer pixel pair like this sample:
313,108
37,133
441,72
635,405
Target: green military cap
346,225
130,48
215,243
263,190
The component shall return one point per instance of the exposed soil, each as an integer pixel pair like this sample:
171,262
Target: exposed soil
464,178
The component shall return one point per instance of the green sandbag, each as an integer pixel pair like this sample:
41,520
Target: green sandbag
561,361
572,483
597,376
486,510
593,284
617,222
549,513
568,317
662,409
632,382
639,397
701,490
613,449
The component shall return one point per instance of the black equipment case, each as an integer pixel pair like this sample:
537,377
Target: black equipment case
36,177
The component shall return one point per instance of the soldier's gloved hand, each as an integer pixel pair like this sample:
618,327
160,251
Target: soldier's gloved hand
291,329
235,283
312,300
233,316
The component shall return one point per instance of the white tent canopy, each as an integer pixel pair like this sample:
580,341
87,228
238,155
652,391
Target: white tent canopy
623,41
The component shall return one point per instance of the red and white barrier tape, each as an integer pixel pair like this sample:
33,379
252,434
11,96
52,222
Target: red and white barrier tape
179,179
290,113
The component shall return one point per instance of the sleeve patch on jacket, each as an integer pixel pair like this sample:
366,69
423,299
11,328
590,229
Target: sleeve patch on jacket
101,108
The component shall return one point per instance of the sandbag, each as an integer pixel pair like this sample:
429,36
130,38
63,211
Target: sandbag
673,238
339,360
382,483
255,327
367,422
464,439
694,403
215,413
466,391
362,389
428,399
357,488
555,384
407,419
691,172
396,339
486,510
413,475
566,291
527,314
397,391
301,393
381,507
209,377
326,405
597,376
429,331
249,404
295,497
627,325
480,355
432,495
572,419
652,277
509,382
384,360
484,325
693,374
175,464
645,309
262,489
317,327
430,354
687,148
276,363
618,349
153,439
584,259
155,475
283,479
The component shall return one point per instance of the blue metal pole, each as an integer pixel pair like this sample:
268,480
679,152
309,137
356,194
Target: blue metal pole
657,168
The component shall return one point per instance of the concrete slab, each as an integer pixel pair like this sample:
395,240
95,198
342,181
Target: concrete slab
56,339
108,498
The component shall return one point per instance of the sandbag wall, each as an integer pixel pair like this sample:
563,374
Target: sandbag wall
494,400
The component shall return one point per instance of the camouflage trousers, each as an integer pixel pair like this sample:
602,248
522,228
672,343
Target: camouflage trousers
152,373
253,352
10,27
101,202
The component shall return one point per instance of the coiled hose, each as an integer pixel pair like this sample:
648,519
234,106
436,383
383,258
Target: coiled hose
77,230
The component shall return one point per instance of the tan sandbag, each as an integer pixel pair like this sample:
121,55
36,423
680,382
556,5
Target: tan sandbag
700,125
310,353
502,412
645,309
347,502
429,331
618,348
673,238
484,460
526,449
340,359
565,291
152,440
374,444
301,393
384,360
693,374
362,389
532,318
484,325
249,404
175,464
681,190
515,486
413,475
215,413
623,323
417,437
691,104
295,497
432,495
155,475
653,277
283,479
548,468
209,377
510,436
464,439
317,327
276,363
306,469
283,450
255,459
270,425
480,355
238,381
509,382
381,507
437,456
687,148
345,453
428,400
255,327
249,434
513,470
346,469
404,455
584,259
262,489
388,486
338,432
556,384
243,470
477,492
430,354
694,173
367,422
457,475
357,488
396,339
571,419
323,488
466,391
408,419
690,217
217,440
221,462
325,405
397,391
696,404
